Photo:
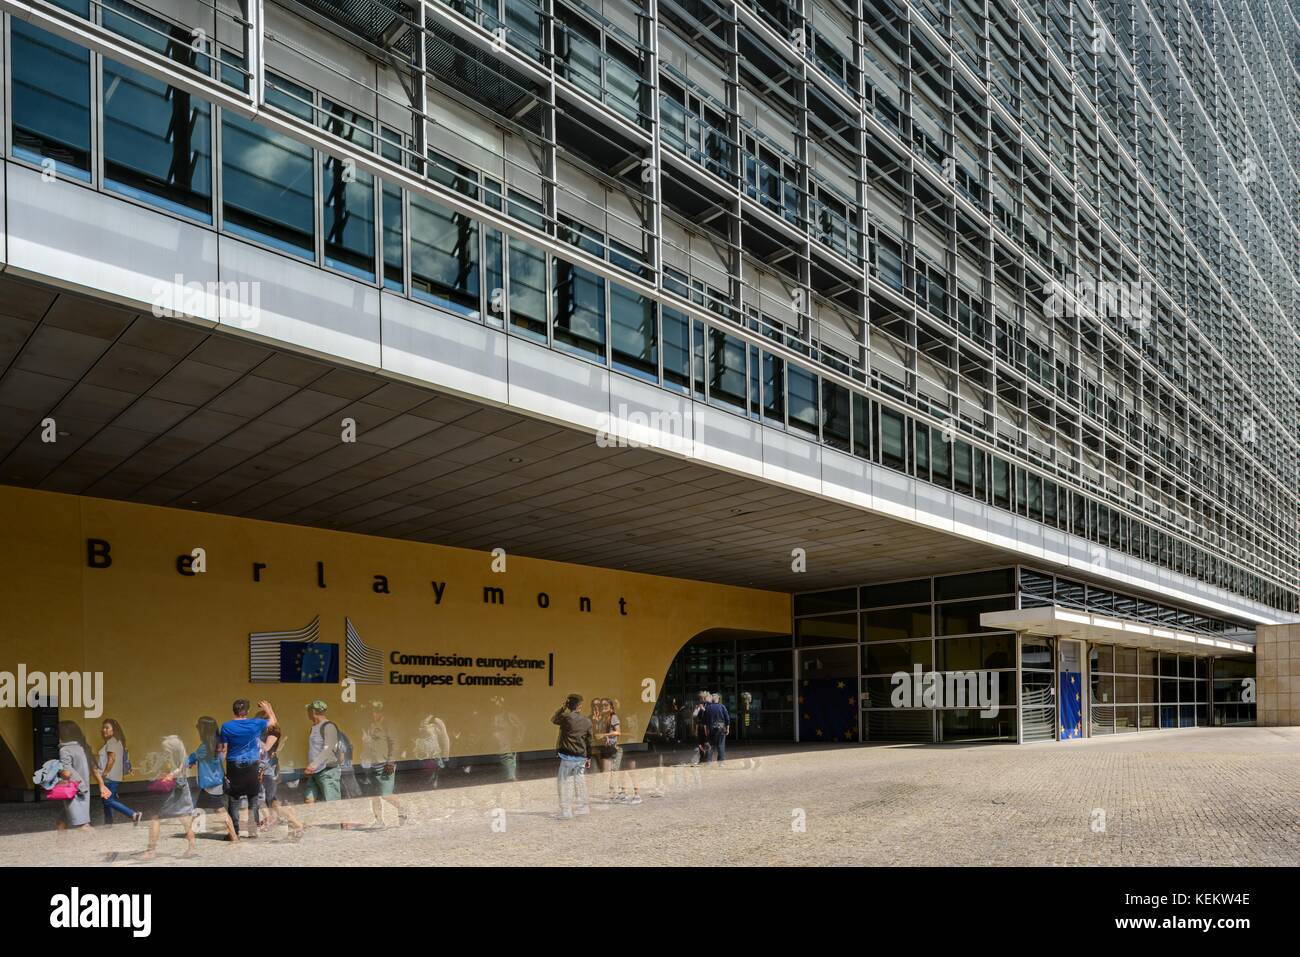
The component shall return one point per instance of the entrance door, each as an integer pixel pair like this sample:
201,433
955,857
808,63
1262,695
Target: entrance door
1070,689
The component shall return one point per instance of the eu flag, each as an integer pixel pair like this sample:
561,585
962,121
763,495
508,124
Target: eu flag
309,662
829,709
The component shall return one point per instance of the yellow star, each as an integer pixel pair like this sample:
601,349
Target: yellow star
819,732
839,684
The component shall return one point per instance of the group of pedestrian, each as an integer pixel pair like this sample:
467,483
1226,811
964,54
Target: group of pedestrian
593,739
238,769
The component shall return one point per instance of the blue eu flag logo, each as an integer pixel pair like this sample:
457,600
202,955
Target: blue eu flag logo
309,662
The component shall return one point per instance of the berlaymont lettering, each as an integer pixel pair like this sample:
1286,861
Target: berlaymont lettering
289,613
99,555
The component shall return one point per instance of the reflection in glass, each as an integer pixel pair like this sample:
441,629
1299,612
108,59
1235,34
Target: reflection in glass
50,100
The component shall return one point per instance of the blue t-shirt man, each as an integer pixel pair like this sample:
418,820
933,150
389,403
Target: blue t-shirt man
243,738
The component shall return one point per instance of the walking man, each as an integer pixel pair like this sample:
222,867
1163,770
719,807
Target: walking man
241,741
323,773
574,748
718,722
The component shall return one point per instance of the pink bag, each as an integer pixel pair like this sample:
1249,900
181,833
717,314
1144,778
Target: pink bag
63,791
162,785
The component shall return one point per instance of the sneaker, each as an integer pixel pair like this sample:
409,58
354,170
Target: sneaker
582,810
137,817
564,815
621,797
634,799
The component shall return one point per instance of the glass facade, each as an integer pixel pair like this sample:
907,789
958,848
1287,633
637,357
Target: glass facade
932,625
753,677
1000,250
927,626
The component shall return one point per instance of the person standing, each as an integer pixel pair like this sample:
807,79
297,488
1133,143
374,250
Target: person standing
379,764
607,738
573,745
323,772
698,719
241,742
433,748
74,766
718,721
614,732
110,769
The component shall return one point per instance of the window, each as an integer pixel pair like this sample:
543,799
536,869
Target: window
861,426
774,387
1001,484
392,210
268,181
962,478
494,259
157,139
623,81
896,624
157,143
835,415
51,100
893,445
828,630
349,197
677,349
579,310
803,400
445,257
528,293
726,369
578,47
922,446
940,458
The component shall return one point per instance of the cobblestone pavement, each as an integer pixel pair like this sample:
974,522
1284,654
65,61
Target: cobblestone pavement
1222,796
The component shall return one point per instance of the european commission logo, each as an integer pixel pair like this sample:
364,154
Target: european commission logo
300,657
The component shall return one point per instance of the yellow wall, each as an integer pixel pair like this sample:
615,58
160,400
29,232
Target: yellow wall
173,648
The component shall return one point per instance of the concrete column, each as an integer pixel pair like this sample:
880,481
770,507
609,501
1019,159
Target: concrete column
1277,675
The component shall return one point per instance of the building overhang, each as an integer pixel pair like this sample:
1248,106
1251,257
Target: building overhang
1054,620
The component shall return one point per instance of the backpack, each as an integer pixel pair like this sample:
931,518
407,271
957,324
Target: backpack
343,751
126,762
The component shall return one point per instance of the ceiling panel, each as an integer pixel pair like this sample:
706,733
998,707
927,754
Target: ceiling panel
153,411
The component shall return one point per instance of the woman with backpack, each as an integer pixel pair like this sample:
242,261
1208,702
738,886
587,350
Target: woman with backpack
74,767
211,789
112,767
